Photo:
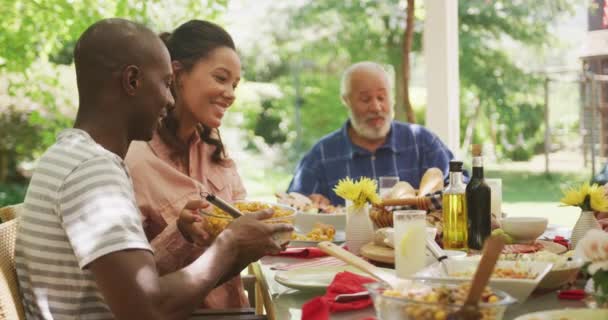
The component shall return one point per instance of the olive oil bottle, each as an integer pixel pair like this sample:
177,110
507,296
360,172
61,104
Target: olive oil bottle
455,210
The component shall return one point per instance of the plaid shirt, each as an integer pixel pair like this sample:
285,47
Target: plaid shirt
408,152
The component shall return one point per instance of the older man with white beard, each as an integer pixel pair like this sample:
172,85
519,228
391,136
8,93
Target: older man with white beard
370,143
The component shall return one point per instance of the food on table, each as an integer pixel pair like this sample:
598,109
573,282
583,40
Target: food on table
560,261
523,248
500,232
215,225
401,190
321,232
431,182
500,273
302,203
436,301
382,237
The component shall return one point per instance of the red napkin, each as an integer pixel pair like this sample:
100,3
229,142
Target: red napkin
306,253
561,240
319,308
572,294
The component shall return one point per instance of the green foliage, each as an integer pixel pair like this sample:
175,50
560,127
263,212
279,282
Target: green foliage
12,193
330,35
35,29
37,38
600,284
509,95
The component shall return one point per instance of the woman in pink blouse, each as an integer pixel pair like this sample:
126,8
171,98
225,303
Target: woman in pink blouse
186,154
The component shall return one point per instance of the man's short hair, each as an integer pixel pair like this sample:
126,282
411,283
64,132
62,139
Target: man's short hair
345,83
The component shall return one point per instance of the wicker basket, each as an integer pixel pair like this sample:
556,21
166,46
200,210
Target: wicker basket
381,217
10,302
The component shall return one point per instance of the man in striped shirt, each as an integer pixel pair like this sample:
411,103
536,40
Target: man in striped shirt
370,144
81,250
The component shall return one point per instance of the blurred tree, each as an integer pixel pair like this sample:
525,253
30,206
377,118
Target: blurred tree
494,87
37,37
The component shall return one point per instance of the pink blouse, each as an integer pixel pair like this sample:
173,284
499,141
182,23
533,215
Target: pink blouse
163,187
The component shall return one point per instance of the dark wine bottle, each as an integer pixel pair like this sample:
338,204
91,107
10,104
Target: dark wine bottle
478,195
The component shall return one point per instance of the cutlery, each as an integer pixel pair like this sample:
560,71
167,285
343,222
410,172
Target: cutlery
336,251
347,297
491,251
220,203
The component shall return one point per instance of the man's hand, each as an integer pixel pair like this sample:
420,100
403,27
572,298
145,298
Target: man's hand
190,223
319,200
252,239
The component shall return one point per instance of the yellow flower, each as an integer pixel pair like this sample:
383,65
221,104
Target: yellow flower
358,192
587,197
597,198
573,197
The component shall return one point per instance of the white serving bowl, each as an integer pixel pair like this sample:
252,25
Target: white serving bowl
305,222
520,289
559,277
524,229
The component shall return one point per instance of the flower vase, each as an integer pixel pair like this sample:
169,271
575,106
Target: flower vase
359,228
586,221
597,299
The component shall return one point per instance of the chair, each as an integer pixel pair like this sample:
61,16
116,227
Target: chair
262,293
10,212
10,301
253,283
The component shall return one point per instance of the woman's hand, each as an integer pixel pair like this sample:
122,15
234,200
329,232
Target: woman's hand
191,224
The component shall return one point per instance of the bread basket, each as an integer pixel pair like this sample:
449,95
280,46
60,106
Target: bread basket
403,194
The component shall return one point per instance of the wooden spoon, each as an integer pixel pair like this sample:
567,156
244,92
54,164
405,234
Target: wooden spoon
491,251
333,250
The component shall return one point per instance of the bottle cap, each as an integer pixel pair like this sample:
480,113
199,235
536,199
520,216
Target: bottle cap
455,166
476,150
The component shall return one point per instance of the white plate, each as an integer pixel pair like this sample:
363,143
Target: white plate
520,289
567,314
315,278
306,221
339,238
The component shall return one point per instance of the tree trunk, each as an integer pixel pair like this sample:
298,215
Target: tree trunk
3,166
400,109
407,48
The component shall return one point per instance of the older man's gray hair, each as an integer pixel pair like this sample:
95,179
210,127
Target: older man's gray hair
345,84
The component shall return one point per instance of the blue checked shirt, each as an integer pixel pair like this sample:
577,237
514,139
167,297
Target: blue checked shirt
408,152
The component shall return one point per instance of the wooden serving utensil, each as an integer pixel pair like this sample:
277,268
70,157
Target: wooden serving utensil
491,251
415,201
333,250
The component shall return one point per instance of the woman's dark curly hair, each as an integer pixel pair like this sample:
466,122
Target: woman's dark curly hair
188,44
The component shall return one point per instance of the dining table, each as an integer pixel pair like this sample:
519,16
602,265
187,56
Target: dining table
288,302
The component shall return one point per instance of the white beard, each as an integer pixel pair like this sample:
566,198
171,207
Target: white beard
371,133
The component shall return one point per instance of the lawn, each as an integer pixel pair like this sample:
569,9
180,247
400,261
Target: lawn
524,193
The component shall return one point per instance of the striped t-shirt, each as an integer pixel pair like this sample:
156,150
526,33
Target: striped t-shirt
79,206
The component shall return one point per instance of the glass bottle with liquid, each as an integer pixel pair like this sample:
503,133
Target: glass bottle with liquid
455,210
478,196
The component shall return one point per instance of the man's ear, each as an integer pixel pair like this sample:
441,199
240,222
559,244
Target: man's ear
345,100
131,79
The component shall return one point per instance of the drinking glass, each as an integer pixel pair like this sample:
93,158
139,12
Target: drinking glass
385,184
410,241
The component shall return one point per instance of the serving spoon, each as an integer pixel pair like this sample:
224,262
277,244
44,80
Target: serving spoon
491,251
